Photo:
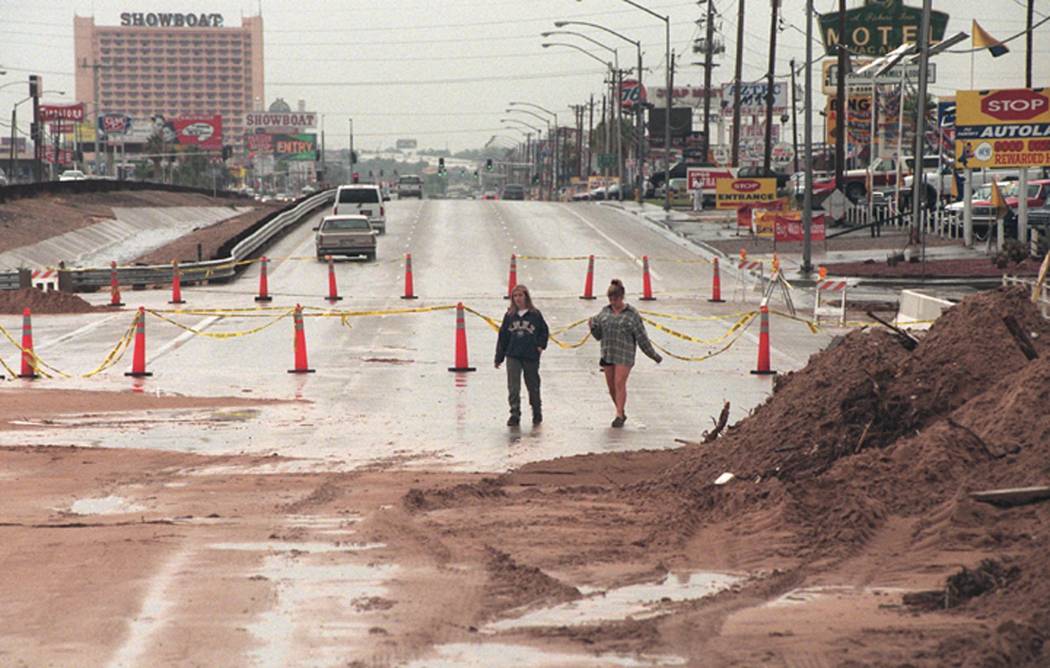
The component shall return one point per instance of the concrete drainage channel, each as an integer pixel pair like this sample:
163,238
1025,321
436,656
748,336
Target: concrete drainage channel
89,280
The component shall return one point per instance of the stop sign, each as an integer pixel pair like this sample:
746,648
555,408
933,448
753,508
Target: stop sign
1019,104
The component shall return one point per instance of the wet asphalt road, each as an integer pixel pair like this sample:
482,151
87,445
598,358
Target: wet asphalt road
381,391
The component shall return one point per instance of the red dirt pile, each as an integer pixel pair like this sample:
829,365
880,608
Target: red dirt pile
39,301
869,431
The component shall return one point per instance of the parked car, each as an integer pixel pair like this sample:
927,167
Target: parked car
883,175
514,191
984,215
490,194
72,175
347,235
363,199
409,185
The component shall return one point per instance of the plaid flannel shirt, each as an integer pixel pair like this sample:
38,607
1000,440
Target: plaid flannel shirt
619,333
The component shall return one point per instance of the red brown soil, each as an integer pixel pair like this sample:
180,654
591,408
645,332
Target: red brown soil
40,301
210,238
42,404
29,220
974,267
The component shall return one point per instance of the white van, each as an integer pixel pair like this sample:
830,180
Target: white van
363,199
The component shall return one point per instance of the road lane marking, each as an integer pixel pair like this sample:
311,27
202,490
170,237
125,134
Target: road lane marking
77,332
181,338
614,242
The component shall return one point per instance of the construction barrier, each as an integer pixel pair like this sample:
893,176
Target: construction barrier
716,285
647,284
462,364
264,281
138,358
588,283
409,287
301,365
819,306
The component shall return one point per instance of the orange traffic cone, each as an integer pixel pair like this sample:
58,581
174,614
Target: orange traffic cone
588,284
763,344
461,342
716,286
264,282
512,279
138,359
333,291
176,284
114,286
409,294
300,344
28,359
647,286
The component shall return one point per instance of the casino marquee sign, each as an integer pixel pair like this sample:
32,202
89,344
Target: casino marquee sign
169,20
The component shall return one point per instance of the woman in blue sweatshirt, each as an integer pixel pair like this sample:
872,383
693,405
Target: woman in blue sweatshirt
522,339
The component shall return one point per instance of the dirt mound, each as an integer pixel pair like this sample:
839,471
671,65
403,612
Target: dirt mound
869,431
39,301
432,499
513,585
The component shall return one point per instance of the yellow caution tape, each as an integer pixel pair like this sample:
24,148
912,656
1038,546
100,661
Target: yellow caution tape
117,352
713,353
570,346
737,326
38,364
222,335
335,313
10,372
813,327
696,318
492,322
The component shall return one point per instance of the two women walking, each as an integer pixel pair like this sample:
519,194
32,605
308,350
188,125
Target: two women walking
524,334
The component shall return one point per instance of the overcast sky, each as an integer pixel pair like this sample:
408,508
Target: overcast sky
373,59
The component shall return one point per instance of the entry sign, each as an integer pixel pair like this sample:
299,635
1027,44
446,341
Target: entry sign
705,178
1005,128
734,193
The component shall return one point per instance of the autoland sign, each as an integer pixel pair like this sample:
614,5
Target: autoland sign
879,27
1004,128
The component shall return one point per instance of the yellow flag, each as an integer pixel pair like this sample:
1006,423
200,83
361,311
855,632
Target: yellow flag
982,40
998,201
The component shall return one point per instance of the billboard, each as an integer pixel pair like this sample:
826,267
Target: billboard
705,178
681,124
203,132
1002,128
113,124
631,93
406,144
62,112
279,121
878,27
295,147
732,193
687,96
753,98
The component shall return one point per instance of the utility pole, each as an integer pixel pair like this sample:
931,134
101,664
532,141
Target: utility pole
768,155
351,156
95,67
36,87
709,48
1028,46
794,113
737,81
840,102
605,135
807,197
667,131
618,90
590,137
920,120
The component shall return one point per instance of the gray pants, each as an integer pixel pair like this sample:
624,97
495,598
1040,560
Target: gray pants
531,369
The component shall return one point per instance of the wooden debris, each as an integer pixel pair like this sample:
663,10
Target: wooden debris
1024,342
906,339
720,424
1017,496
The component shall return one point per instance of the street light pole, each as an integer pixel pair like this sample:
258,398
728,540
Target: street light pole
667,115
554,166
807,197
638,106
737,82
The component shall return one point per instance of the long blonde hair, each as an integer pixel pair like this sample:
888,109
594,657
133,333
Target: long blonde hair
521,289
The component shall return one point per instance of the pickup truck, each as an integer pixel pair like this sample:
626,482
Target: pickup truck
883,177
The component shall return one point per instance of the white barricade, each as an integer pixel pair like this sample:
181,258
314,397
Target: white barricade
825,308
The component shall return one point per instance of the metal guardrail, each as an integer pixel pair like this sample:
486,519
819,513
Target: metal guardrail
86,280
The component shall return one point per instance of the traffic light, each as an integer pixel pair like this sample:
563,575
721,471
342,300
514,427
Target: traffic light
355,177
227,152
488,164
535,179
441,165
381,173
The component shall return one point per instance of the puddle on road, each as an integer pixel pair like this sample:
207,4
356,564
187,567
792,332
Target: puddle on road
107,505
637,601
313,620
806,595
483,655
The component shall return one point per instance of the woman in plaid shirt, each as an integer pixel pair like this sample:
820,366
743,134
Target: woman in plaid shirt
619,327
